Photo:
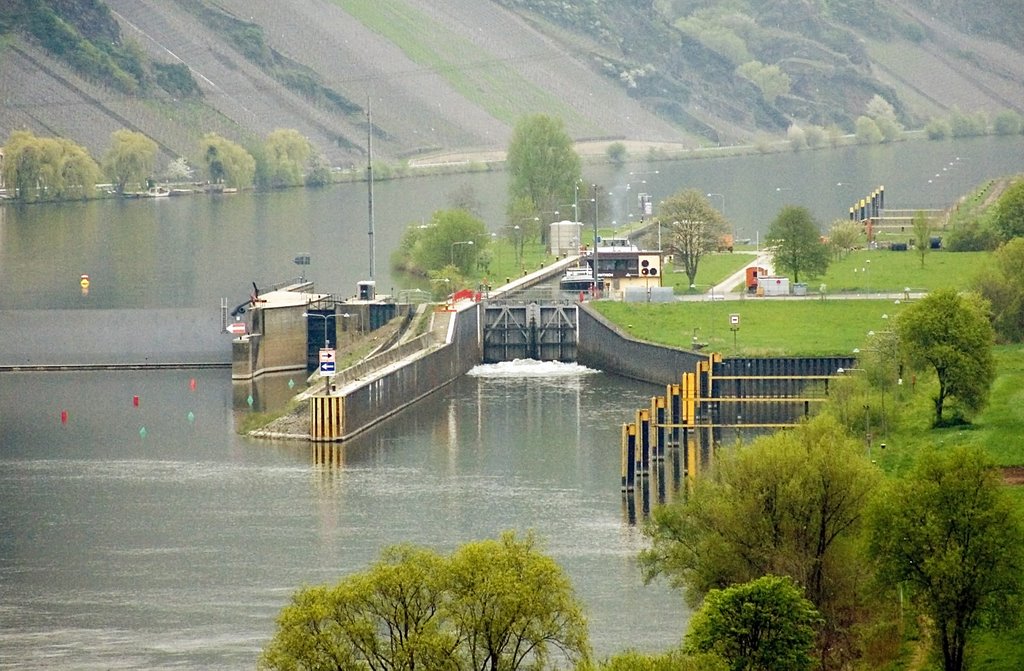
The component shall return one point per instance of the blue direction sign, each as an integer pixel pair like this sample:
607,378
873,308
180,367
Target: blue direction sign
326,361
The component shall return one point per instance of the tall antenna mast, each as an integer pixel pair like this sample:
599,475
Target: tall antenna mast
369,177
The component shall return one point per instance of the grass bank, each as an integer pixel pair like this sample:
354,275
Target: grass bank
803,327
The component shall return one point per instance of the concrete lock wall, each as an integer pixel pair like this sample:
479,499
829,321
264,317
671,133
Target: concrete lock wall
601,345
283,344
384,395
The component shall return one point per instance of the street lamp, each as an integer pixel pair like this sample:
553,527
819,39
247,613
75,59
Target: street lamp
456,244
327,343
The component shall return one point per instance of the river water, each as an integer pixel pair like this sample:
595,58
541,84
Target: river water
152,536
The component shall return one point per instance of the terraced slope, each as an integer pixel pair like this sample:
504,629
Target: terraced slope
452,76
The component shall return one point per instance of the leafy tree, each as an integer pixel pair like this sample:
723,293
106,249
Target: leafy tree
921,227
797,137
797,242
78,171
963,124
1001,283
788,504
950,333
769,79
463,197
385,618
130,159
23,164
867,131
453,237
616,153
694,228
226,162
286,152
48,168
513,607
948,532
542,164
492,605
318,172
762,625
1009,212
844,237
938,129
1008,122
883,114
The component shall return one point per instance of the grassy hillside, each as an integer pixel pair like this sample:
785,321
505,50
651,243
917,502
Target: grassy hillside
455,75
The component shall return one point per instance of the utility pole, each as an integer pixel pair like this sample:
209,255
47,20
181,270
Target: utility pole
597,286
369,178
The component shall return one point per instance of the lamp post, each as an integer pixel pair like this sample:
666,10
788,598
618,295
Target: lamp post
327,342
456,244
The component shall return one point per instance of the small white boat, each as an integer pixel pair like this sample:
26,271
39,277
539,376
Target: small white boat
578,279
156,192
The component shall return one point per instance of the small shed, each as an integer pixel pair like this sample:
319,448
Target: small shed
771,285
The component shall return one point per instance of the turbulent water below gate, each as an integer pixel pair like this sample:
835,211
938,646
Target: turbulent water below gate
176,546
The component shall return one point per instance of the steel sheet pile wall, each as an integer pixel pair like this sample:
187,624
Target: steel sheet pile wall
767,391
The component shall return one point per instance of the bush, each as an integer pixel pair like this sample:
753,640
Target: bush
1008,122
963,124
937,129
868,131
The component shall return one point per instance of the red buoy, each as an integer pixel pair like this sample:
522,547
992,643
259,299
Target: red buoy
63,416
192,384
135,400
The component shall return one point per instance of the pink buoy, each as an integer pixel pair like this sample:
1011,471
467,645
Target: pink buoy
192,384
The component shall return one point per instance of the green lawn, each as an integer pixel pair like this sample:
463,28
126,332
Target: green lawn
884,270
711,270
806,327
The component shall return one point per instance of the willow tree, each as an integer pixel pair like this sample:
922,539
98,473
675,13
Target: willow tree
493,604
130,159
226,162
287,153
48,168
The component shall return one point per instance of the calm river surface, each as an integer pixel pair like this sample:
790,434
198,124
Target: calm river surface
155,537
177,548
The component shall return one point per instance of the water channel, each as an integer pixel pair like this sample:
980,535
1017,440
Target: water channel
152,536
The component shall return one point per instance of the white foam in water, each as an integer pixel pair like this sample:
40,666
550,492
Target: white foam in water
530,368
